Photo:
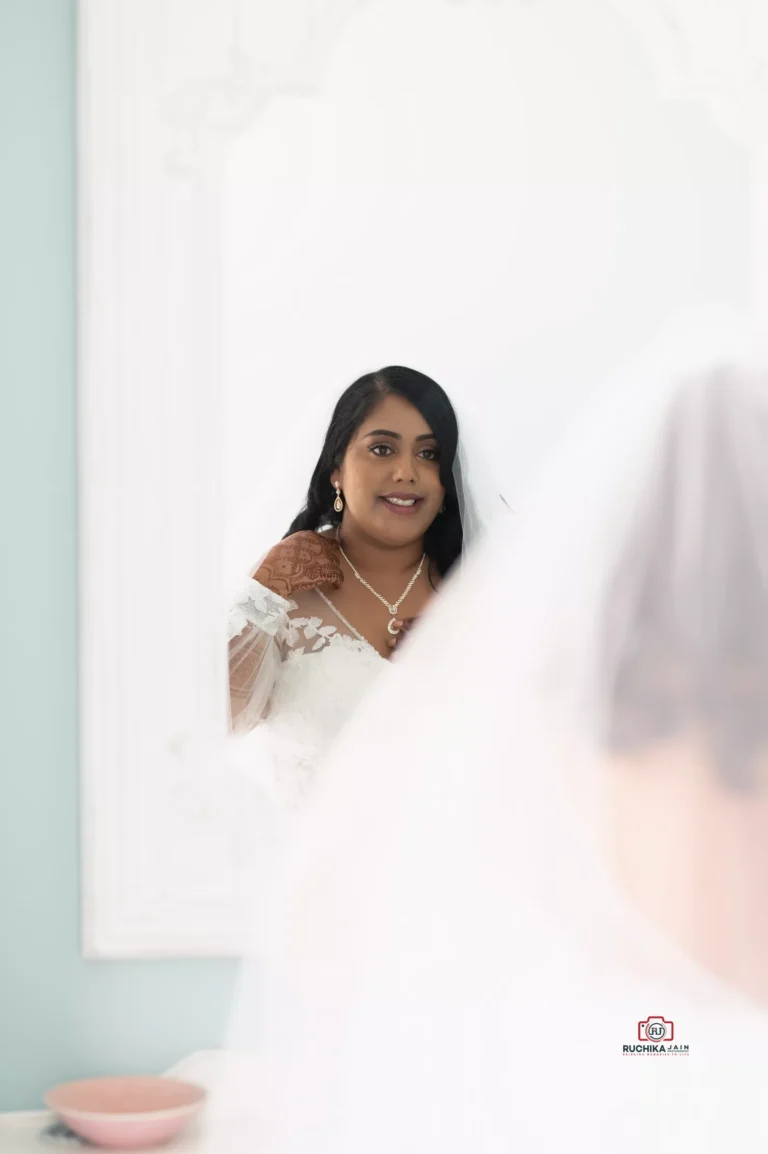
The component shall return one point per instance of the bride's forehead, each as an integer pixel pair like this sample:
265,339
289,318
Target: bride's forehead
397,415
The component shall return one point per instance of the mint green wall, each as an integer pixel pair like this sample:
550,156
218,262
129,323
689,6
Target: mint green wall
59,1016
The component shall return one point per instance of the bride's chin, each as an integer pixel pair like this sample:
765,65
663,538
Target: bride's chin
406,534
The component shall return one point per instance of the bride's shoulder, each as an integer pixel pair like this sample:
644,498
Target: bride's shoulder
324,533
302,535
303,540
304,560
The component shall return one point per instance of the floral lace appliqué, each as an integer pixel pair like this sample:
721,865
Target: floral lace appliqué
260,607
308,629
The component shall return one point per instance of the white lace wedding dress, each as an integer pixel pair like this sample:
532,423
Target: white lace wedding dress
297,671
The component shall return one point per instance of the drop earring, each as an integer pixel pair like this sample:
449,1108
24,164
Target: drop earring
338,504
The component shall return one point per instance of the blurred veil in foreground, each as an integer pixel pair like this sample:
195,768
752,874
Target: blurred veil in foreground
541,849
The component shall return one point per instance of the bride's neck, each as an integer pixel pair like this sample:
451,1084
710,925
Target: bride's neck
372,556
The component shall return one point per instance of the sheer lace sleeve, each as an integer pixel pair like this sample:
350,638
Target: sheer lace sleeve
255,621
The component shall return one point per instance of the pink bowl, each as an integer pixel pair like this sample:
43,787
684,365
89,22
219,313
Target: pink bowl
130,1113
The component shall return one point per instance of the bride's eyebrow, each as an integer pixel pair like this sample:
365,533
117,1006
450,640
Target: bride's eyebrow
398,436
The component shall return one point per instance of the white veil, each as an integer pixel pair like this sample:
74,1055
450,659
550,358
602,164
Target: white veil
455,963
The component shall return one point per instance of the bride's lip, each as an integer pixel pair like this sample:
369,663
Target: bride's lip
402,504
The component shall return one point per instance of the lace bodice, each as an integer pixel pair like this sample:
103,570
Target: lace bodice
297,671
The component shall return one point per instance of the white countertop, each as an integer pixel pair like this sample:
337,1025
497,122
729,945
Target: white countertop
23,1132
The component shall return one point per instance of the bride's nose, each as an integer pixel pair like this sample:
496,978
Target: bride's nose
405,472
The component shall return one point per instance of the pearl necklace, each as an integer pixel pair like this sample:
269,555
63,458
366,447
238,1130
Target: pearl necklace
393,608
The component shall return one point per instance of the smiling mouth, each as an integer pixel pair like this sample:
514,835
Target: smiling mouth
402,505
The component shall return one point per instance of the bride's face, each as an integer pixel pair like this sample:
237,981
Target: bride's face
390,475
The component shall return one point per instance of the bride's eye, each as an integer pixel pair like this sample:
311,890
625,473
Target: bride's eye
430,454
381,450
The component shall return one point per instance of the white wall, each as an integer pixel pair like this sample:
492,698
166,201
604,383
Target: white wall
496,194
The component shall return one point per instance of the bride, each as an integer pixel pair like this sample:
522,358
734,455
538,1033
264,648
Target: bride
531,914
383,525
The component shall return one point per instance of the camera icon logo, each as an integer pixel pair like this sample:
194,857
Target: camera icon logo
656,1029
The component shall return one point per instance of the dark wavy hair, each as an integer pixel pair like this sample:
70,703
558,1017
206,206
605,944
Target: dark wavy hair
443,541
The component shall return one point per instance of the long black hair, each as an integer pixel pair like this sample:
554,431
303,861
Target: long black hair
444,539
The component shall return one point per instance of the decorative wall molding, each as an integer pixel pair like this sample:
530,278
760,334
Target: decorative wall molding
159,873
165,88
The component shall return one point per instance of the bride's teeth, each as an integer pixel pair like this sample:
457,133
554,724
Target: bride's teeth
397,501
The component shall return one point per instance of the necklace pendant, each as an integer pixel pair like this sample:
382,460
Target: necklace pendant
391,627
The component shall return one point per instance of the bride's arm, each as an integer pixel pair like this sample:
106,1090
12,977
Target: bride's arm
303,561
255,621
